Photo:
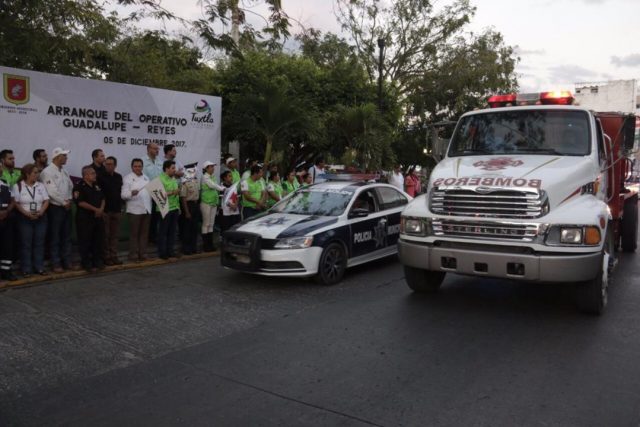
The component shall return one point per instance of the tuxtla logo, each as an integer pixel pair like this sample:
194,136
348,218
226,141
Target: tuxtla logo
202,115
16,89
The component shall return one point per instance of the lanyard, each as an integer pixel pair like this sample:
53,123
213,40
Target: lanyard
33,195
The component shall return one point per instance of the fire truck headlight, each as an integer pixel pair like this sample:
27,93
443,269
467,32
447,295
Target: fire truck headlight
571,236
414,226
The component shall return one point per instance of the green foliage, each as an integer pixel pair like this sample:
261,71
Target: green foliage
364,134
224,13
153,59
313,88
432,68
71,37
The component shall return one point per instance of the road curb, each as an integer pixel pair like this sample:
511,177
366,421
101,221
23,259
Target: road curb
55,277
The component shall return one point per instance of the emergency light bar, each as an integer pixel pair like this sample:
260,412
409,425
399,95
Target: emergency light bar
351,176
543,98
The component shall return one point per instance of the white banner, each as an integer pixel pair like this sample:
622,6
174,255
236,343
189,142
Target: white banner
39,110
159,195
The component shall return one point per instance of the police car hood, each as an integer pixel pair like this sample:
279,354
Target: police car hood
556,175
281,225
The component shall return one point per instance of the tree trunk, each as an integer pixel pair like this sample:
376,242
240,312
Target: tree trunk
267,151
236,19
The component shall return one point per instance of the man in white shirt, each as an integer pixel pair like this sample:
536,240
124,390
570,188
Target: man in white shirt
60,188
138,210
396,178
317,171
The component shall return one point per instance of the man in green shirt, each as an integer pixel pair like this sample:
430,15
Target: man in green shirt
254,194
169,224
10,174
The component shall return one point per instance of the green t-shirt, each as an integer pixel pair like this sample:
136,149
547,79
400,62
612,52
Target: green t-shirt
170,184
289,187
276,187
254,188
235,176
11,178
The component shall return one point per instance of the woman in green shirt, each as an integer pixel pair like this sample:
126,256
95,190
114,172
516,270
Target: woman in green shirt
290,184
274,188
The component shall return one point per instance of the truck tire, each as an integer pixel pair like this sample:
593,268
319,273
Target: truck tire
629,229
423,281
592,296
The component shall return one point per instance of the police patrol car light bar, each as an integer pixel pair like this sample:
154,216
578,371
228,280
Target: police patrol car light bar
351,176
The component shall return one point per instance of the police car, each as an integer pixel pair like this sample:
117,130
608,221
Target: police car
318,231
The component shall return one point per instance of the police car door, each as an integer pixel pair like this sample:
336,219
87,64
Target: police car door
367,224
392,202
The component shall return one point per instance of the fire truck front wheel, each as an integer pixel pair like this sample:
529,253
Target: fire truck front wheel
592,296
423,281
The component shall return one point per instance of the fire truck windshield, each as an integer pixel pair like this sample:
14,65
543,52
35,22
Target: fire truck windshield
556,132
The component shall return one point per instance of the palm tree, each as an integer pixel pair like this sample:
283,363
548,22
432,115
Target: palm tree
273,112
366,134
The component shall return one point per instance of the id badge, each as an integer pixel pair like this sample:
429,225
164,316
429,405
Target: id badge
33,207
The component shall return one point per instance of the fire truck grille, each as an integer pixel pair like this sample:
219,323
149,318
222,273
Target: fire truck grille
511,204
483,230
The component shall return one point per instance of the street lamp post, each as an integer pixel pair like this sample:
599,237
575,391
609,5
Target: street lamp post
380,58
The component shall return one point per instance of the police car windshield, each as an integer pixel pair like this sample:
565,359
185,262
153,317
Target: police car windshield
558,132
322,202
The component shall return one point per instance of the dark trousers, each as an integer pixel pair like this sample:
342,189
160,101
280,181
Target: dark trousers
90,239
228,221
6,246
248,212
60,226
111,231
154,222
32,235
139,227
167,234
189,228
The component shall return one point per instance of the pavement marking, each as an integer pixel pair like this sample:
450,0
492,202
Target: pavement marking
54,277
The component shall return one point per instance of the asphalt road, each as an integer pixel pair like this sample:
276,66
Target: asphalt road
193,344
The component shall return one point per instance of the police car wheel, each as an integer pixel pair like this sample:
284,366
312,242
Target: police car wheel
420,280
333,263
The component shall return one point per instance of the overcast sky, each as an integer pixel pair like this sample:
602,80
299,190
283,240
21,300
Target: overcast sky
560,42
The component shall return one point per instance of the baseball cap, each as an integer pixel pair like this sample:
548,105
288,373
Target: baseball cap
230,159
209,163
57,151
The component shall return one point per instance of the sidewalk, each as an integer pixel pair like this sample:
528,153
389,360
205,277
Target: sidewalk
122,254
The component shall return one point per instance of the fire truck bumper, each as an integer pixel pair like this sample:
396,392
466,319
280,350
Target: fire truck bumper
572,267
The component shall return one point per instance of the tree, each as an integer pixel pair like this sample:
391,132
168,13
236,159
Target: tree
71,37
363,131
423,43
153,59
273,112
225,12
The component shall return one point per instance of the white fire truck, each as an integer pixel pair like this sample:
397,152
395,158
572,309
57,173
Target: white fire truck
530,189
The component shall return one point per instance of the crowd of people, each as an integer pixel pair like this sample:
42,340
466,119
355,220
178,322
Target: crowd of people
410,182
36,202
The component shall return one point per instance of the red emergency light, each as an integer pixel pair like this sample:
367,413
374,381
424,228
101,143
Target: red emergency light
502,100
562,97
543,98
